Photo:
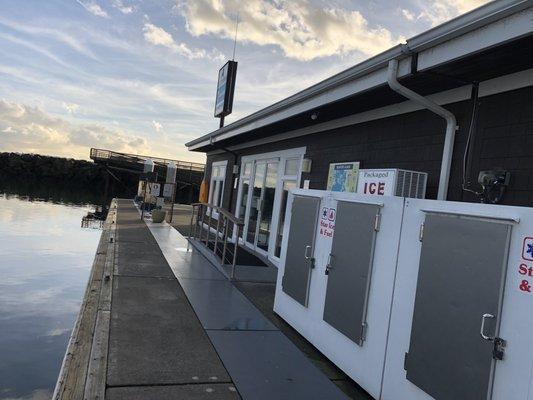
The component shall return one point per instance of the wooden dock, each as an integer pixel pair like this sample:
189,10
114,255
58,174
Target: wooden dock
83,371
159,321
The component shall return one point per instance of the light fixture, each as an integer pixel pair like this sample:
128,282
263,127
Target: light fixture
314,116
306,165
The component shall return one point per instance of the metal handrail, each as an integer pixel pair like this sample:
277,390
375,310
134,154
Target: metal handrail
224,219
223,211
108,154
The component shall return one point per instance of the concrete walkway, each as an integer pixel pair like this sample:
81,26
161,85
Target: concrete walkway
261,361
158,348
159,321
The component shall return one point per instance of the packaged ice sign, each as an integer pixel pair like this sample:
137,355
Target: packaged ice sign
392,182
225,89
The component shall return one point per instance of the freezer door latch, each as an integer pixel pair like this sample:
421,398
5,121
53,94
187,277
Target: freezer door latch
499,348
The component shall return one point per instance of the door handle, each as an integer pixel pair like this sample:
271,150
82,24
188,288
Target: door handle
329,267
306,254
482,330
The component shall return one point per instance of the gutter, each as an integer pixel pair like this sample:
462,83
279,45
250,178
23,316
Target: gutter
451,124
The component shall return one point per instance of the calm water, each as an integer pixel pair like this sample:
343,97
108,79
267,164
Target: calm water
45,261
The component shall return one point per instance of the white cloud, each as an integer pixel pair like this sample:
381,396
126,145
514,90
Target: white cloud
124,9
408,15
93,8
300,28
72,108
158,36
55,34
157,126
436,12
30,129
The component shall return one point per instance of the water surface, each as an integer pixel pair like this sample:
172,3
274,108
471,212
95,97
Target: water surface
45,261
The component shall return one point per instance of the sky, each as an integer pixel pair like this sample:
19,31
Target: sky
139,76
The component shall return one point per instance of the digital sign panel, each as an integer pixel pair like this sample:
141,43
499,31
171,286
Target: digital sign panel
225,89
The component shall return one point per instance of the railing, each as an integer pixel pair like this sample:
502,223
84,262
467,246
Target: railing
102,154
203,217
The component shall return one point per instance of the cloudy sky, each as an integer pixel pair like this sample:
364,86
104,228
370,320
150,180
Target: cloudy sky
140,75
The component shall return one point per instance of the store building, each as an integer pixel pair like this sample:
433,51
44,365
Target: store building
469,108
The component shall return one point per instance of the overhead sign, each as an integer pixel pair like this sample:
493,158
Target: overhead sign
379,182
225,89
342,177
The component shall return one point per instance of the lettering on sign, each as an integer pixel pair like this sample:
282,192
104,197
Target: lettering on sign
525,270
374,188
327,221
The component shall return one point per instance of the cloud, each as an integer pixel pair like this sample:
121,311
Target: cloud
93,8
436,12
72,108
119,4
302,29
157,126
55,34
158,36
408,15
30,129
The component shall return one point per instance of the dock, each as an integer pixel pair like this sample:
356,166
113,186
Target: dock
159,321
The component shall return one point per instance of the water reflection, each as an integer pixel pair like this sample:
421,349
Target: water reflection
45,260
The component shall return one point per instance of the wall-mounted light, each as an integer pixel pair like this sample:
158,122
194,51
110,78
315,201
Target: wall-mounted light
235,169
306,165
314,116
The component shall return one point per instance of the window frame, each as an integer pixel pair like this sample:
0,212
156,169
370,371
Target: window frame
217,184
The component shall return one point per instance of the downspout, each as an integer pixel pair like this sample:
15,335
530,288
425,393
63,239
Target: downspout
451,125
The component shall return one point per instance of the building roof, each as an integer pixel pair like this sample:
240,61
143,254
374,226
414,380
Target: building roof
468,35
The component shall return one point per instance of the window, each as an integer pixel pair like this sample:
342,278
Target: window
216,186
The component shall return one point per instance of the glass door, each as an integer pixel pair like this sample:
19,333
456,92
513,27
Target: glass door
259,219
267,206
255,202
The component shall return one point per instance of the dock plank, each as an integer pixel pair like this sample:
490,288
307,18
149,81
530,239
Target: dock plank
97,370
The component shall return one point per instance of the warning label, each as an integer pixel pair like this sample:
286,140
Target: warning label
524,269
327,221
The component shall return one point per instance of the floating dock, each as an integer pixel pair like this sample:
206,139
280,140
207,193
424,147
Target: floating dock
159,321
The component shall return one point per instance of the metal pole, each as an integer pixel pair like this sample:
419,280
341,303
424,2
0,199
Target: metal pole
144,200
235,253
225,237
202,223
209,226
190,228
173,199
216,233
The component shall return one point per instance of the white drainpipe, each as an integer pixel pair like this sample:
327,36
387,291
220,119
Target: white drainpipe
451,125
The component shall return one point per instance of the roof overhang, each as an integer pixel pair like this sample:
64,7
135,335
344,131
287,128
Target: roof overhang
443,49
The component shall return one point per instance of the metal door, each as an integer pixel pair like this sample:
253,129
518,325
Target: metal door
457,306
300,247
350,268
